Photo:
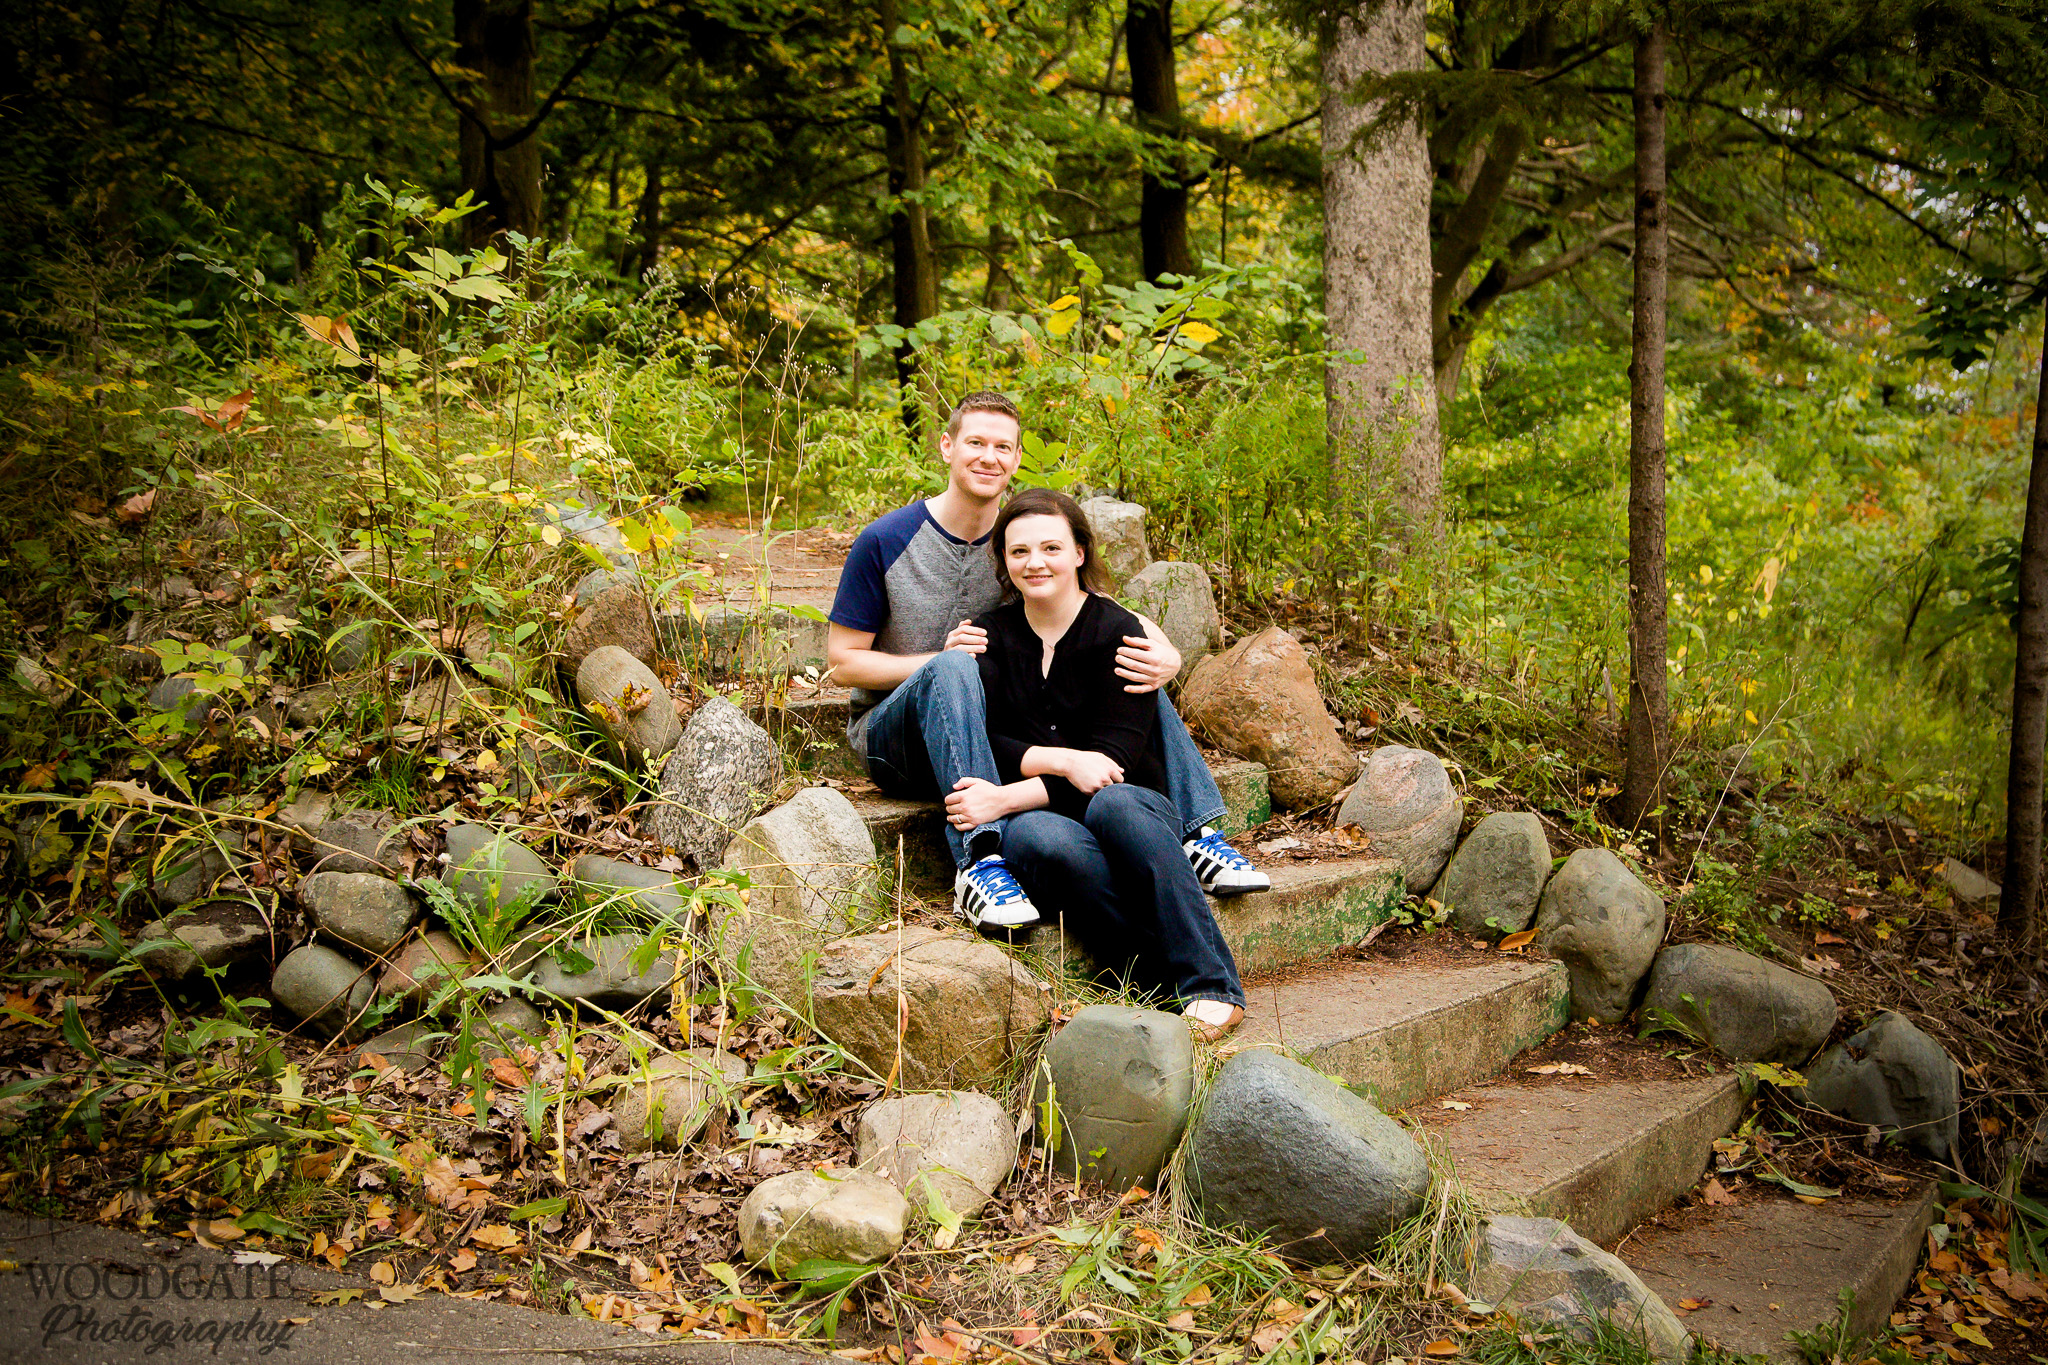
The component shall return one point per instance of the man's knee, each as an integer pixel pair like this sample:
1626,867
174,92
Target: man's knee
952,670
1122,805
1040,838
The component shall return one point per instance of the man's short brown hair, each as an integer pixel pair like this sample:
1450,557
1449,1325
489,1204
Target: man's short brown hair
982,400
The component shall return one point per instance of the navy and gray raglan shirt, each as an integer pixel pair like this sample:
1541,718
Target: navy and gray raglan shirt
910,581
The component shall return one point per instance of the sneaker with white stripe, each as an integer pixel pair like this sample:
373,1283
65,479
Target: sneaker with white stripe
1222,869
988,897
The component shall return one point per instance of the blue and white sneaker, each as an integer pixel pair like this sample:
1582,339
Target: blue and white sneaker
988,897
1222,869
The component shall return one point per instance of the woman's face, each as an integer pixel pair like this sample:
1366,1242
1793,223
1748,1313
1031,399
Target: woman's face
1041,556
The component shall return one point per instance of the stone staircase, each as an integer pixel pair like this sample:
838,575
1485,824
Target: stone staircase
1604,1153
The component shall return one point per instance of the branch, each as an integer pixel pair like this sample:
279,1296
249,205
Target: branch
1566,259
460,105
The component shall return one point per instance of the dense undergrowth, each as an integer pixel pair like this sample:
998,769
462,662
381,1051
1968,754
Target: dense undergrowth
255,485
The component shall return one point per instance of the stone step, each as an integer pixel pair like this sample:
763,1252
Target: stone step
1771,1265
1398,1032
1601,1154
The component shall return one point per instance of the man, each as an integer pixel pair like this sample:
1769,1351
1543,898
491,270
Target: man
900,638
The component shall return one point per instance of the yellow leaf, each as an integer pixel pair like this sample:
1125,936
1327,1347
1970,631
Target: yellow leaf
1971,1335
495,1235
223,1230
1198,333
1197,1297
1749,716
384,1273
1061,323
1065,301
551,534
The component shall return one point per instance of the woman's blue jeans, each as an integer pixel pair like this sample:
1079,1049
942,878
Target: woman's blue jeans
1120,882
933,730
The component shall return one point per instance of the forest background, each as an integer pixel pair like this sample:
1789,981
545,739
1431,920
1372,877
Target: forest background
370,275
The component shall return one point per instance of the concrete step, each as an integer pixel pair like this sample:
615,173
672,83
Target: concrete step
1399,1033
1771,1265
1312,909
1602,1154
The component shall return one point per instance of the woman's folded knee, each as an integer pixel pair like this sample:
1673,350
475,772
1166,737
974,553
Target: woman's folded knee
1126,806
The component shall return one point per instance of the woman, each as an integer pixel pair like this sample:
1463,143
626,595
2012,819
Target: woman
1091,832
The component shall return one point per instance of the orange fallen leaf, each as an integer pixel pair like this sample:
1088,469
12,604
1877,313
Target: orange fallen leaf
223,1230
495,1235
465,1259
1714,1192
1514,943
1443,1346
136,508
508,1073
1694,1305
384,1273
1825,937
1944,1263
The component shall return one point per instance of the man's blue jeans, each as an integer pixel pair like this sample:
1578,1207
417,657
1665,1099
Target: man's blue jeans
1123,886
933,730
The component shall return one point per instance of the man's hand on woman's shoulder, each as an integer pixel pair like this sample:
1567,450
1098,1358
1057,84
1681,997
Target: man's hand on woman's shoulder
1147,662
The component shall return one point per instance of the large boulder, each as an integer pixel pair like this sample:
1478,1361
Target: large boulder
609,884
323,988
600,580
1971,889
1121,1080
955,1147
615,617
721,771
1258,700
971,1006
214,933
360,841
1405,803
629,703
422,967
1119,529
490,870
1497,874
1895,1077
359,909
1605,924
1543,1272
1282,1151
1747,1009
811,862
1181,600
669,1102
805,1215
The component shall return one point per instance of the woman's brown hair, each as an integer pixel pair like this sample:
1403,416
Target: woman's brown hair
1046,502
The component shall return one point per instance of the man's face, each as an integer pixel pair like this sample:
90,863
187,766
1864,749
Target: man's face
981,459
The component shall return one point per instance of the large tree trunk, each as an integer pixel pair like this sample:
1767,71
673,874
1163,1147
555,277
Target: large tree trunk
914,267
494,38
1380,410
1649,720
2019,902
1155,99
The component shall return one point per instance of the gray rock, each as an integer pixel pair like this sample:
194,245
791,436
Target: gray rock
422,967
956,1147
310,707
363,911
1746,1008
1970,887
582,516
1280,1150
757,642
811,861
1497,874
303,815
721,771
487,867
610,982
178,694
607,883
1119,529
972,1007
1543,1272
616,618
506,1027
216,933
845,1216
1182,602
492,657
628,702
1605,925
191,871
669,1103
323,988
1122,1080
351,644
1405,803
598,580
409,1046
542,763
1893,1076
361,841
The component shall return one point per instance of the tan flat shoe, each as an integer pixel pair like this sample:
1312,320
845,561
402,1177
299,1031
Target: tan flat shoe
1212,1020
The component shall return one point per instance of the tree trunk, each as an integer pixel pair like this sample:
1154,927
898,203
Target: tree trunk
915,274
1649,719
1155,99
648,226
494,38
1380,411
2019,901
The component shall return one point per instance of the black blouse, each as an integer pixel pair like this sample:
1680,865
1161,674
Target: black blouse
1080,703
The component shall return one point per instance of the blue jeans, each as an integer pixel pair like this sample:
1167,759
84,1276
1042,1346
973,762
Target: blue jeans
933,730
1124,887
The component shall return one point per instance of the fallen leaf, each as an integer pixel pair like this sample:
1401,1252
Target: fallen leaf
1460,1105
465,1259
1825,937
136,508
384,1273
2014,1285
1514,943
1714,1192
223,1230
1023,1265
495,1235
1944,1263
1560,1069
1197,1297
1443,1346
400,1293
1183,1321
508,1073
1280,845
1971,1335
334,1298
1694,1305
